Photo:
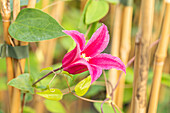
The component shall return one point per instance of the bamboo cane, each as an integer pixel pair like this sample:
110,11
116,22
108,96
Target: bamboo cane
112,17
124,49
160,56
6,13
115,45
16,100
142,58
19,64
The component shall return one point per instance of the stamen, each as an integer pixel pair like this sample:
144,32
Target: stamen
84,56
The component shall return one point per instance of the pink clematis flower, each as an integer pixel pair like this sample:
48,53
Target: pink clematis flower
89,57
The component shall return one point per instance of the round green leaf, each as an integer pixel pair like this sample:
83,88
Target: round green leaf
107,108
96,11
23,83
54,106
83,86
32,25
52,94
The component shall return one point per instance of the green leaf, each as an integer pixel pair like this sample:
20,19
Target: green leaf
96,11
82,19
113,1
52,94
83,86
3,85
165,79
23,83
54,106
32,25
47,68
28,109
107,108
66,73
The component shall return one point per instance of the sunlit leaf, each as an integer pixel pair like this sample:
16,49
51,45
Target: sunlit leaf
82,19
32,25
113,1
28,109
52,94
96,11
54,106
23,83
107,108
83,86
3,85
66,73
47,68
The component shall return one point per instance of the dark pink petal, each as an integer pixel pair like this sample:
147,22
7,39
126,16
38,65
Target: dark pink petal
95,72
77,37
107,61
79,66
98,42
71,56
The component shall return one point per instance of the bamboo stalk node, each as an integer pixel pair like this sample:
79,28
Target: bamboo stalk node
5,10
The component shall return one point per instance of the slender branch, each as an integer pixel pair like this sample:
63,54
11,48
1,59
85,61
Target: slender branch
113,107
89,100
55,74
23,102
67,83
105,79
46,76
103,103
53,4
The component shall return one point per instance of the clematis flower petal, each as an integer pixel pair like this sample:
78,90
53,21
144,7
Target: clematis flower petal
107,61
71,56
95,72
98,42
77,37
79,66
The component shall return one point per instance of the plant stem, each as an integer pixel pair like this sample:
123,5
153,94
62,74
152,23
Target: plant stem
23,102
113,107
160,56
105,79
46,76
103,103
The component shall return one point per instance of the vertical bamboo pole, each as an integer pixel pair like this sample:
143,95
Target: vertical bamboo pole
115,45
142,58
19,64
16,100
112,17
6,14
160,56
124,49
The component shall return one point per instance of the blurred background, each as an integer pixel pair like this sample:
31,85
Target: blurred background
50,53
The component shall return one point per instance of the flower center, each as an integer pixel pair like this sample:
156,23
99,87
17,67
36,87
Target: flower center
83,55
